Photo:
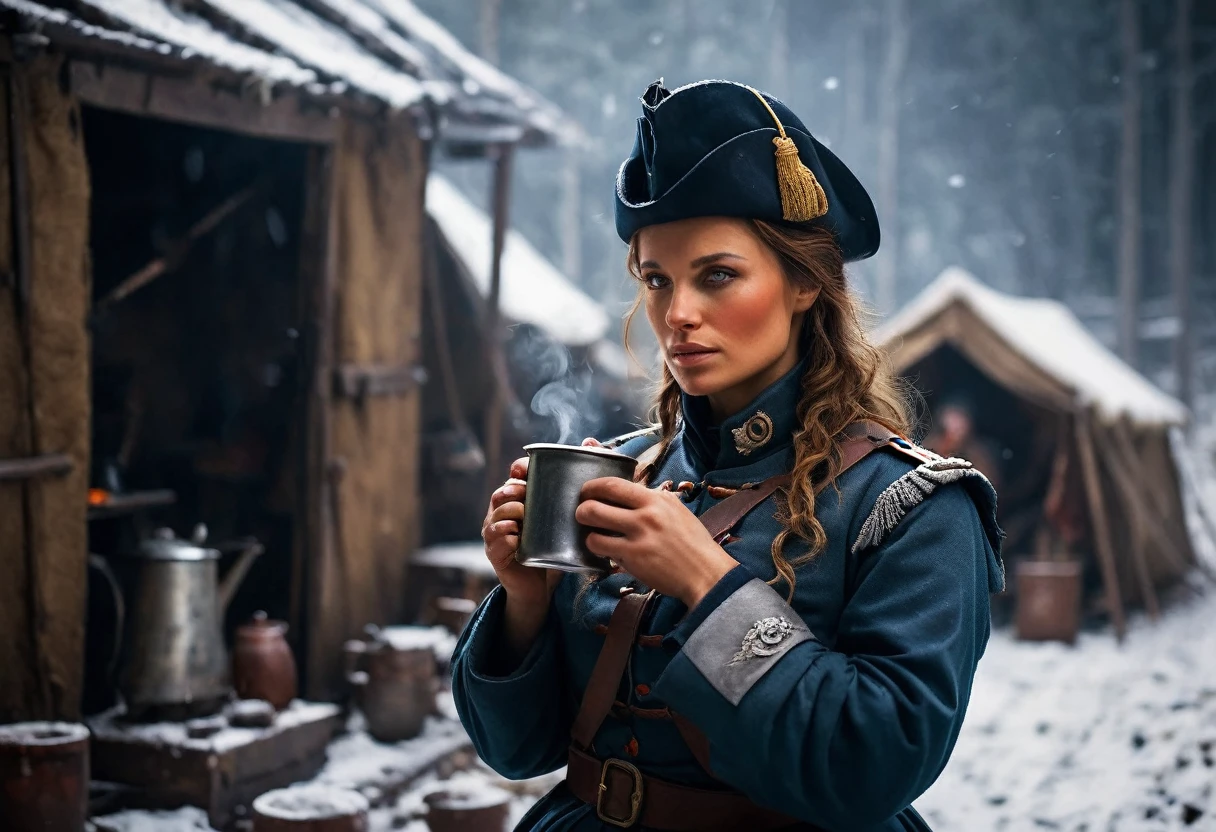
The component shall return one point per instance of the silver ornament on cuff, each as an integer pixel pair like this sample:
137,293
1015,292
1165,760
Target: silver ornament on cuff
763,639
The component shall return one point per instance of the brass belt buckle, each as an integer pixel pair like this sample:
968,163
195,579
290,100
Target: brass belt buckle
635,796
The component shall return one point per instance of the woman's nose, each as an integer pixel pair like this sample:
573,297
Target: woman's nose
684,311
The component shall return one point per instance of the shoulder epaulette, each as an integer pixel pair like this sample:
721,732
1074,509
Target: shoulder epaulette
912,489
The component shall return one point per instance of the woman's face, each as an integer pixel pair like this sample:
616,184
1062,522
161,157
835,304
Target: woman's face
725,315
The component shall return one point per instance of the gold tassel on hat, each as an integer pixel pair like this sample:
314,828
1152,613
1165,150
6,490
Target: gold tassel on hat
802,197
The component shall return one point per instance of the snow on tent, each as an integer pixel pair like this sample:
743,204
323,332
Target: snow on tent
1083,441
562,377
533,290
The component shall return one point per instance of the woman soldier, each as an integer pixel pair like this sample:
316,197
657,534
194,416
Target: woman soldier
802,598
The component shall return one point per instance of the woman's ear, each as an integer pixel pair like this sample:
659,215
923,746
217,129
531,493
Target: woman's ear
805,297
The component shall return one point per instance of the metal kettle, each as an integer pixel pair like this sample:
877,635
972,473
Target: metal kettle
174,662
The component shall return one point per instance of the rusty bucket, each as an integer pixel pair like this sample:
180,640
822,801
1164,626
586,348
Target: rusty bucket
1048,600
466,809
44,776
310,808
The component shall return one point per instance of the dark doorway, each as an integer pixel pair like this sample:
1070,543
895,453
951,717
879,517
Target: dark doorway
197,373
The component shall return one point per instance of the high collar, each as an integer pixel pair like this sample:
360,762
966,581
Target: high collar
739,440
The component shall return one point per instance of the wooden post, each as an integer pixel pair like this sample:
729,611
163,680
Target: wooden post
488,24
889,102
22,245
494,407
1129,186
1098,522
1182,182
315,522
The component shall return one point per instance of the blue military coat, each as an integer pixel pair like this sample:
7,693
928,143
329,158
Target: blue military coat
853,715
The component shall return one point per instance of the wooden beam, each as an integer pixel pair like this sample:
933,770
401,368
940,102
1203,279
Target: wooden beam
47,465
178,250
357,381
196,99
498,389
1098,522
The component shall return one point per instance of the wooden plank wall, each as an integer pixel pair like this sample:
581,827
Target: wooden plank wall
371,495
42,521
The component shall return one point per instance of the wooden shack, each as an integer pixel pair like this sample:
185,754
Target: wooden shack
211,276
1077,428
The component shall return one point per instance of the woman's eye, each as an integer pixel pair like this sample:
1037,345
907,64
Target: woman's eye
718,277
655,281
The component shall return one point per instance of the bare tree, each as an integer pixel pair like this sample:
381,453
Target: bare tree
889,101
779,56
1182,176
1129,185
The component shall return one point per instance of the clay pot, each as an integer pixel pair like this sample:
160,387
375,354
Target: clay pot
310,809
394,684
44,776
262,664
463,810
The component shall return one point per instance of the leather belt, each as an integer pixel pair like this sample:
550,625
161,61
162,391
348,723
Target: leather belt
624,797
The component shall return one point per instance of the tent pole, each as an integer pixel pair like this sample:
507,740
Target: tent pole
1097,520
1125,467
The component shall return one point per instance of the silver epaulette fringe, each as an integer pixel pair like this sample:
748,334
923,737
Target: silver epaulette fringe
907,492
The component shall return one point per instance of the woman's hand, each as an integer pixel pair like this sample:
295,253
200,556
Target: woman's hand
653,536
525,585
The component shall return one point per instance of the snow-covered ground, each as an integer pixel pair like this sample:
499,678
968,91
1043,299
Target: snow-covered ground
1099,737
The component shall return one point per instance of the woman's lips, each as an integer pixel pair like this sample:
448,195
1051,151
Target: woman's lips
690,358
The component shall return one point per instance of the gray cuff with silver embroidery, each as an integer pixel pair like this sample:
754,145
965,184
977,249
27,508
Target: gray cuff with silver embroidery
740,640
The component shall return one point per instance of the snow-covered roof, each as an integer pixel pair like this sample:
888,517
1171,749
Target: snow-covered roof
387,50
533,290
1047,334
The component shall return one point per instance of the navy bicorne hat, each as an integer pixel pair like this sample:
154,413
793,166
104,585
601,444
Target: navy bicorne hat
719,148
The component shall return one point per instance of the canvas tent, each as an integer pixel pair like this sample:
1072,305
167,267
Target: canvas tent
1102,430
321,117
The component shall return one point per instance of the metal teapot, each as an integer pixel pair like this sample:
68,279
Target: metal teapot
174,662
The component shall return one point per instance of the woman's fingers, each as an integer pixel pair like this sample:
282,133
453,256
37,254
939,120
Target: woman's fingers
501,547
609,546
604,516
592,442
617,491
512,491
519,469
507,511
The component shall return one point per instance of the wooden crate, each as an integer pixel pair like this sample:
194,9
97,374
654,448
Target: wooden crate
221,774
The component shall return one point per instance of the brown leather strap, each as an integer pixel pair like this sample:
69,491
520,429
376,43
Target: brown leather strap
860,440
609,668
664,806
724,516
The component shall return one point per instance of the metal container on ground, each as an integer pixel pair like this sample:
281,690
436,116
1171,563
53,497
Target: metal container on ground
1048,600
44,777
464,809
310,808
550,537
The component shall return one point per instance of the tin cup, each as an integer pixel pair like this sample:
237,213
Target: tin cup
551,538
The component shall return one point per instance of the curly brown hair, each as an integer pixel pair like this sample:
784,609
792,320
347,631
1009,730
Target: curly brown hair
846,380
